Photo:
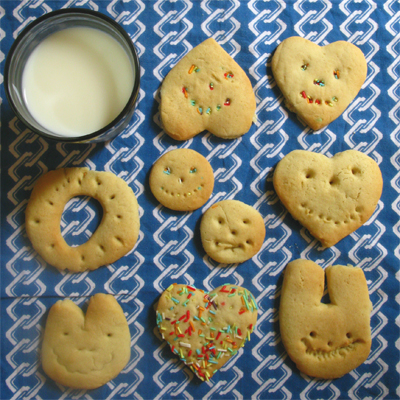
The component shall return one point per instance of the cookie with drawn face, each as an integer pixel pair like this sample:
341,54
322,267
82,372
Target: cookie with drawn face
86,351
182,180
325,340
232,231
207,90
318,83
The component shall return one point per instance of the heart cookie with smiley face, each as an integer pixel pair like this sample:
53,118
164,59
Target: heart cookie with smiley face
206,329
182,180
318,83
232,231
207,90
86,351
325,340
331,197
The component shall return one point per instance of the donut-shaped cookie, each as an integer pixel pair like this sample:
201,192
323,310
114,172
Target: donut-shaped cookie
115,236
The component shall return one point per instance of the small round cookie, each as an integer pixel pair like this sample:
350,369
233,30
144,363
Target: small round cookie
182,180
232,231
86,351
115,236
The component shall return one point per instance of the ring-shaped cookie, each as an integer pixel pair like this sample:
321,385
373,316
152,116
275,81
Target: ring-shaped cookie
116,234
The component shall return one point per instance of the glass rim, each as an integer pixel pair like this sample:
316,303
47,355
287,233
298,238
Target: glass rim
59,13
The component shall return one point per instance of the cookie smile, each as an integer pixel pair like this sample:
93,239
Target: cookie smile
337,352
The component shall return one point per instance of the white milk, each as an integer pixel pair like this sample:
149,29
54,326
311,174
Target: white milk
77,81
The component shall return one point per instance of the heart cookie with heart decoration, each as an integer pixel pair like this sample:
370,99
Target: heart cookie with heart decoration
331,197
86,351
206,329
318,83
207,89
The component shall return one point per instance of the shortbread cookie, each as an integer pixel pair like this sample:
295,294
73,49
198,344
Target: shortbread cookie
115,236
331,197
206,329
232,231
207,89
86,351
318,83
325,340
182,180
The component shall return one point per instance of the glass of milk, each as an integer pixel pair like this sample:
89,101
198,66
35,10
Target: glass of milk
73,76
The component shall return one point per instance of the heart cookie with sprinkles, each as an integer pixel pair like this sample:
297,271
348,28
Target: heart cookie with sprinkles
207,90
318,83
206,329
331,197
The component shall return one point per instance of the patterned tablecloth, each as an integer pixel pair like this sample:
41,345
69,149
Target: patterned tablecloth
169,248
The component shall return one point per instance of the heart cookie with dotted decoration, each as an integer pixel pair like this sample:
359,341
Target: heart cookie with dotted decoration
325,340
207,90
206,329
331,197
318,83
86,351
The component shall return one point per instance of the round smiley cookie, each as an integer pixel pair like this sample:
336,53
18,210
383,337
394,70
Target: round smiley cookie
232,231
182,180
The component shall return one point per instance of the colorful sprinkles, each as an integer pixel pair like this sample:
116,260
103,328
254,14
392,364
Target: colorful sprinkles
319,82
336,74
215,343
228,75
310,100
304,66
194,68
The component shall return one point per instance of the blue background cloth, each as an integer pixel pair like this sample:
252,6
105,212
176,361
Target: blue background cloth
169,248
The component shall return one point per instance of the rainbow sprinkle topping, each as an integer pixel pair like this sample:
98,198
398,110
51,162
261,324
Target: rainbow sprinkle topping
215,343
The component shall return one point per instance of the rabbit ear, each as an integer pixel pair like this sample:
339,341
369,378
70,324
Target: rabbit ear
303,283
347,287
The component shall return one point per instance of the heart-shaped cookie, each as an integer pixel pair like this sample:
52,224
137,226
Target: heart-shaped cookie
325,340
85,352
318,83
331,197
206,329
207,89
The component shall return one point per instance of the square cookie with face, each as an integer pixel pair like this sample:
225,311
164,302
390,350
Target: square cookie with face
325,340
318,83
207,90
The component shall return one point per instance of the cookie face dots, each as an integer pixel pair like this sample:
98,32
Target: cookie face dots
85,352
325,340
182,180
232,232
318,83
207,90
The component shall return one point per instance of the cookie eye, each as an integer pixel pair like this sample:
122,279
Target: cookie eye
319,82
193,170
304,66
167,170
336,74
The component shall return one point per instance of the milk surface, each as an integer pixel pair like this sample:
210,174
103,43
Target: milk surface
77,81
